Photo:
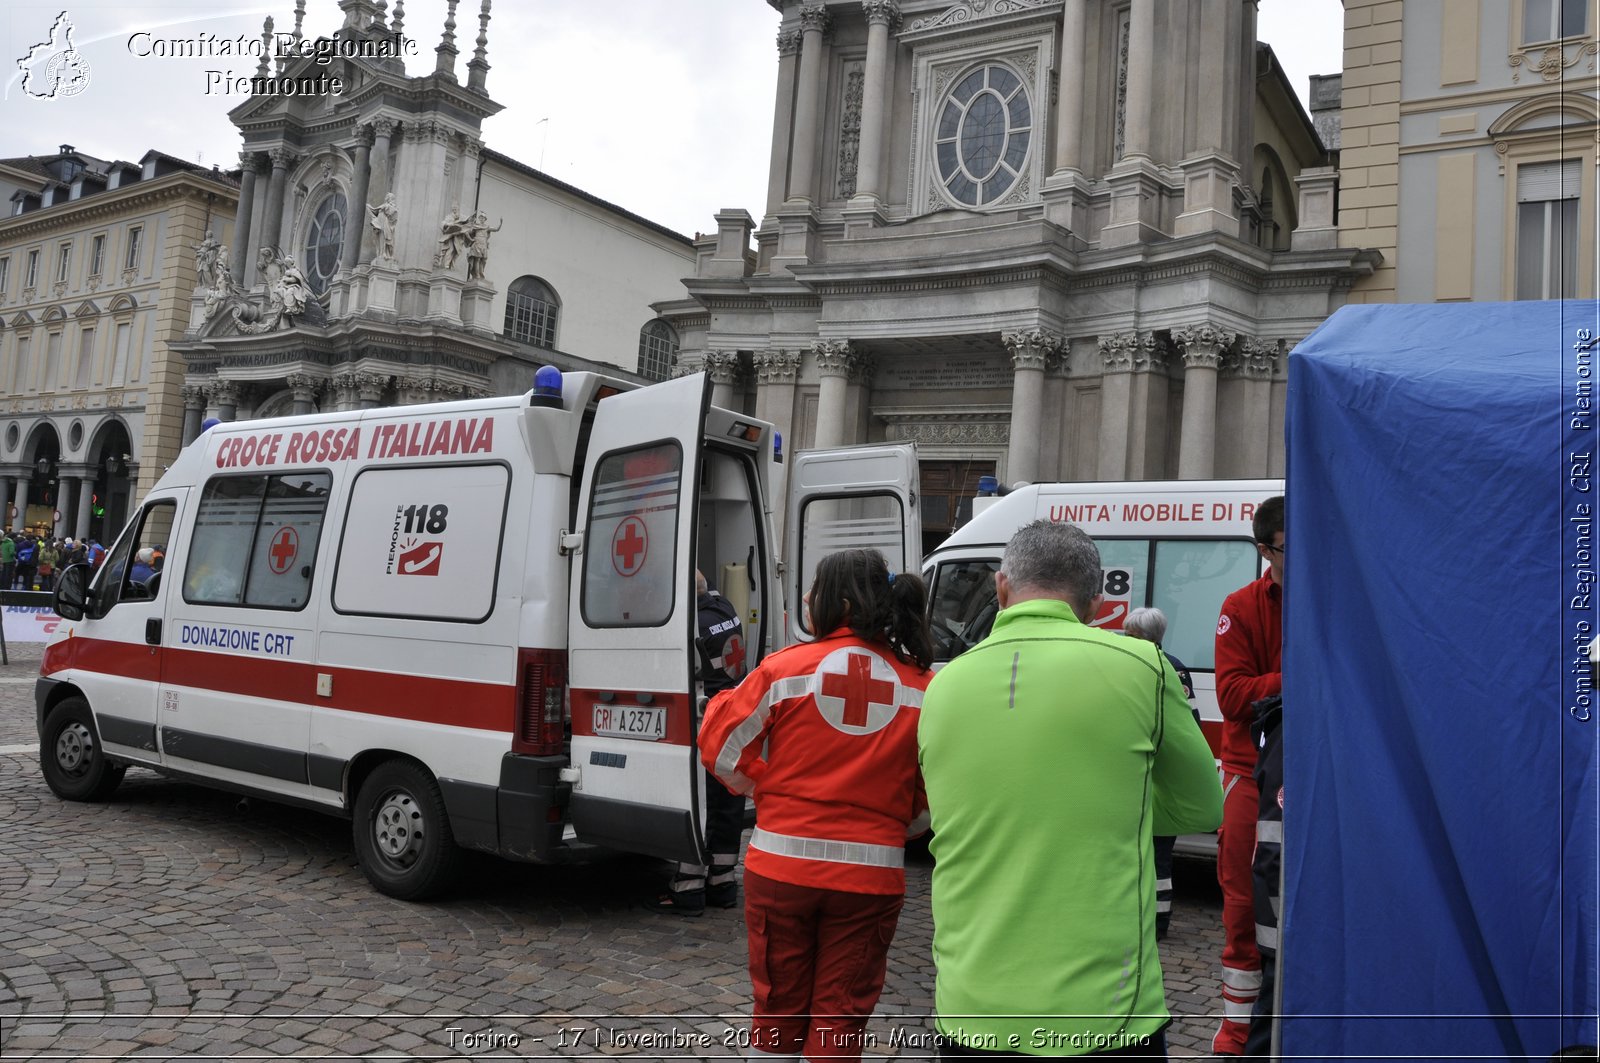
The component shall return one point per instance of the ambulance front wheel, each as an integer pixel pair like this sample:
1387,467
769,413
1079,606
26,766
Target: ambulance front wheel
74,764
402,833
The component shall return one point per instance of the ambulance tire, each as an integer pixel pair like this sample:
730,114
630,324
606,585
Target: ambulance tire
70,755
402,832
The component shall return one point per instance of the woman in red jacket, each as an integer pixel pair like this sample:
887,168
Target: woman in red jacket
824,735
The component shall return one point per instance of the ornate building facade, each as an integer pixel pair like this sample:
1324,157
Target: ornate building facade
1045,239
1472,164
96,267
385,255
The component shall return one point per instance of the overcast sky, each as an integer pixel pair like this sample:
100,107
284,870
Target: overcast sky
661,106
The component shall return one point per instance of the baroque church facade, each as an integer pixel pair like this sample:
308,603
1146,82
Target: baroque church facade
383,254
1043,239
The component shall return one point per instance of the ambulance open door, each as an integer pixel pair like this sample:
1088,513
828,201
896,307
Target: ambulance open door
631,625
847,498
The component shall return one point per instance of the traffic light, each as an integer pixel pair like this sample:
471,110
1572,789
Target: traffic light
95,507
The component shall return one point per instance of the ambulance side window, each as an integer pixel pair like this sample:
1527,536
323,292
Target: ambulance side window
631,546
255,541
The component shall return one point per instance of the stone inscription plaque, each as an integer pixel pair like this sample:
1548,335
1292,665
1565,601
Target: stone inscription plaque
945,374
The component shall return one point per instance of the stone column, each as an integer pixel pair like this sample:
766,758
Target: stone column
1260,362
21,496
1116,384
1069,105
356,219
1202,347
225,397
85,507
782,128
272,224
377,182
249,162
777,370
1147,407
194,408
305,393
808,104
5,508
1140,104
1031,352
881,15
65,485
724,369
835,359
369,390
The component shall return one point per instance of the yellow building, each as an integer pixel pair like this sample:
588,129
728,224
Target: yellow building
97,265
1469,147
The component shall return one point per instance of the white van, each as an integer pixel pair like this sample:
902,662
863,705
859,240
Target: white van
462,625
1181,546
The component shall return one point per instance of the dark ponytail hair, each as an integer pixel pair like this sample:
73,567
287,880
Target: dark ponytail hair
854,588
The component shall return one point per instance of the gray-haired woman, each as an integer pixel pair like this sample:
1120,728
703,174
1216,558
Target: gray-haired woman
1150,624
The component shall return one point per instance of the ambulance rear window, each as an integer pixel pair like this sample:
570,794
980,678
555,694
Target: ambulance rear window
629,565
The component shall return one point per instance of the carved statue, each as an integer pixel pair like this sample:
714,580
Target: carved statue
478,249
384,219
288,299
455,233
293,291
206,258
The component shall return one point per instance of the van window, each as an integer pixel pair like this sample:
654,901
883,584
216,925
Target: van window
423,543
629,567
1187,579
255,541
963,606
1192,577
132,571
865,522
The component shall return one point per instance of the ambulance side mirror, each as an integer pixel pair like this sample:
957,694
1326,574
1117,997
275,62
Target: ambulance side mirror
72,592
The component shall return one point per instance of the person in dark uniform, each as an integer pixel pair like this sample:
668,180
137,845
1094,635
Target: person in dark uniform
721,651
1150,624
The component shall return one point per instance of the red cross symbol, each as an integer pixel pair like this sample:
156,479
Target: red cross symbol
858,689
630,545
285,547
733,657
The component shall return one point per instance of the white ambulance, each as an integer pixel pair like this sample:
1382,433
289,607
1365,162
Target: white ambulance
1181,546
465,625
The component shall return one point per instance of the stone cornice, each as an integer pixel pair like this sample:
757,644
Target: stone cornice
133,198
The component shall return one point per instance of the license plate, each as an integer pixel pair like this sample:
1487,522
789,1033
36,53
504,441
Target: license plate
630,721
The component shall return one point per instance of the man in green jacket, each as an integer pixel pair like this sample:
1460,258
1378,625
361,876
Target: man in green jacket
1052,753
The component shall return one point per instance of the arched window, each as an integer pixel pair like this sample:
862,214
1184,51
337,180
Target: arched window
531,311
326,236
658,349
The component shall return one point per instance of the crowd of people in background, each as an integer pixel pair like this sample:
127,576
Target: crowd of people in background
30,562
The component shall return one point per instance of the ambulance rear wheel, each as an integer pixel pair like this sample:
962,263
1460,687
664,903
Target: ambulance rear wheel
402,832
74,764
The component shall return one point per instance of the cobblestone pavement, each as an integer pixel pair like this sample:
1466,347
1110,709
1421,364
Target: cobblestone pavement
176,922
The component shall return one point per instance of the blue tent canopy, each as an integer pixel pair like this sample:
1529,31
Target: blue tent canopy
1440,731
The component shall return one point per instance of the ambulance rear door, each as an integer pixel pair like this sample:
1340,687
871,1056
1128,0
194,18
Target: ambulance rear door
847,498
631,625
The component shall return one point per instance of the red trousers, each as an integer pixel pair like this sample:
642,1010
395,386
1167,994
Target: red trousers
817,961
1241,963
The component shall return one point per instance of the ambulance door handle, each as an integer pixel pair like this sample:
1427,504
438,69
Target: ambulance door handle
152,631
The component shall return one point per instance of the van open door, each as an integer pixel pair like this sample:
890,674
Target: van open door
847,498
631,625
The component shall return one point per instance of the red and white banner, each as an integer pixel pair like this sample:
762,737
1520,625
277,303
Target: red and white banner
26,623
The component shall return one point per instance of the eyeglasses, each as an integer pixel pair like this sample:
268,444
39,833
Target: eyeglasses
1274,549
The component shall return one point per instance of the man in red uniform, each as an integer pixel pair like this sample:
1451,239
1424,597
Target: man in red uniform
1249,667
